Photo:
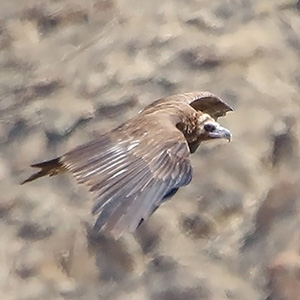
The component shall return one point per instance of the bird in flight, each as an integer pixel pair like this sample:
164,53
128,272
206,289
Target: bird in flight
135,167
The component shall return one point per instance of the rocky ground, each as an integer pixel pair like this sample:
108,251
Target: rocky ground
70,70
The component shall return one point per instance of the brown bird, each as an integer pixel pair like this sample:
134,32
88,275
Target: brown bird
135,167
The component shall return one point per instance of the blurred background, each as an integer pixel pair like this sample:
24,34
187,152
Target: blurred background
73,69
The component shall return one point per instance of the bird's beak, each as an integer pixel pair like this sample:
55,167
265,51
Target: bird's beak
220,133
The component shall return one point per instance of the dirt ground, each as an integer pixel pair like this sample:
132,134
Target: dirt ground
70,70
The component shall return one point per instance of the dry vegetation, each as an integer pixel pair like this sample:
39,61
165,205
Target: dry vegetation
72,69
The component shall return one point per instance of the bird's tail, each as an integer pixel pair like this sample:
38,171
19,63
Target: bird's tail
50,168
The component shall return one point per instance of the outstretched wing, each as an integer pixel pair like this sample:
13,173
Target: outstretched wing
130,174
204,101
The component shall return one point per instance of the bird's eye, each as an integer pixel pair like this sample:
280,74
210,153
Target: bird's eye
209,127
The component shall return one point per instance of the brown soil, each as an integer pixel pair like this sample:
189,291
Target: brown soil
71,69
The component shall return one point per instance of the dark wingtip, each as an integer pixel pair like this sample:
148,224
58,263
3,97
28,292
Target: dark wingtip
208,103
32,177
47,168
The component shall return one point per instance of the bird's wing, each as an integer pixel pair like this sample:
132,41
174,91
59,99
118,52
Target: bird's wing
130,175
206,102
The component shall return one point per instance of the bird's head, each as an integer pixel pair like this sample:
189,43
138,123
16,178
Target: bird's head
209,129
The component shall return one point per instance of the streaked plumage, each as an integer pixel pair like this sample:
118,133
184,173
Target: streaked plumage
132,169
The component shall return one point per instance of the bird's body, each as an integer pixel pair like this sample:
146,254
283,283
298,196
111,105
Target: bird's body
132,169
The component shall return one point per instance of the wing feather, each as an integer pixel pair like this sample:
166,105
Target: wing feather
204,101
141,201
124,188
130,175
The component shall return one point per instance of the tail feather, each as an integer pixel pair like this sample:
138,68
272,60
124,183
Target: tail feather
50,168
